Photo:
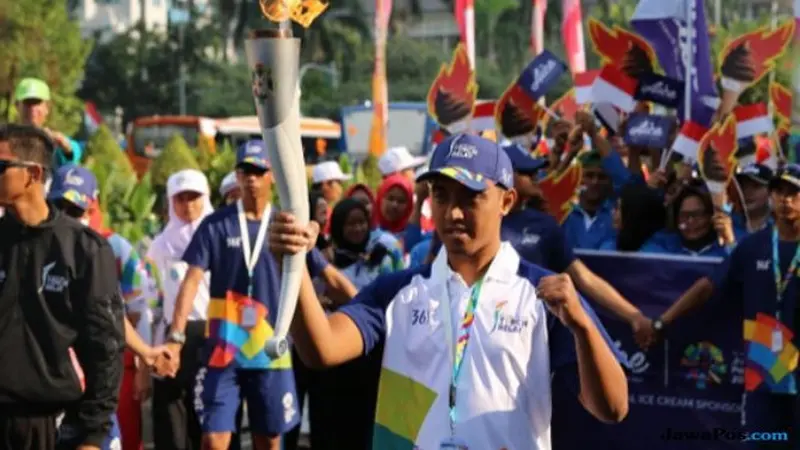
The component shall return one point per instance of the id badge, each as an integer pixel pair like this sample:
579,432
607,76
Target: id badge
777,340
453,444
249,317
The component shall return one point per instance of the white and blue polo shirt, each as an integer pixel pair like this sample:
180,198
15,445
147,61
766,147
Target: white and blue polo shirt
504,391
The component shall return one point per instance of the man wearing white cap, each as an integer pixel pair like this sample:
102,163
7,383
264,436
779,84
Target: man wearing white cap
229,189
327,178
400,160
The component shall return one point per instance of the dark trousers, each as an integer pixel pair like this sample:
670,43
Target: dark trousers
303,380
175,422
27,432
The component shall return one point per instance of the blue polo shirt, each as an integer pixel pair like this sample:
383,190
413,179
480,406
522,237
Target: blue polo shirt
746,281
667,242
217,247
538,239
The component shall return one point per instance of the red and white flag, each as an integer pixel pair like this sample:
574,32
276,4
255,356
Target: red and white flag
537,25
613,86
688,141
752,119
572,31
583,86
465,19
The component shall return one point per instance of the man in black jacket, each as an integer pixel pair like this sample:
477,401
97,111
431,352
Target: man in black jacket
59,297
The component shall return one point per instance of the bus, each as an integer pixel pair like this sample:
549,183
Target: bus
147,136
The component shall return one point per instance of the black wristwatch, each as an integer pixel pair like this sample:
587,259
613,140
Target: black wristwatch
659,325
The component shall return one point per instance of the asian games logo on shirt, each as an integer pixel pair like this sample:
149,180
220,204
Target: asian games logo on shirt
506,322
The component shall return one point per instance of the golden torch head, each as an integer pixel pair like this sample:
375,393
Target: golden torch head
302,12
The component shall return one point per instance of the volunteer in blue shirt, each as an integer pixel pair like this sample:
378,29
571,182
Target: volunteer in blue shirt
538,239
590,222
757,215
244,290
32,97
699,230
760,279
469,346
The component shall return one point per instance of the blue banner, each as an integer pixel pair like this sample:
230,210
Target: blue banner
648,130
541,74
691,382
659,89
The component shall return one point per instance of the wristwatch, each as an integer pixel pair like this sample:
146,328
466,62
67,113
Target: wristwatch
176,337
658,325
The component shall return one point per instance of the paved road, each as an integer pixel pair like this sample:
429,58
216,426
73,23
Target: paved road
147,431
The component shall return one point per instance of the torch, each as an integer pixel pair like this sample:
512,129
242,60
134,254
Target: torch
273,58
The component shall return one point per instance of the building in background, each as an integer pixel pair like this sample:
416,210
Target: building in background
110,17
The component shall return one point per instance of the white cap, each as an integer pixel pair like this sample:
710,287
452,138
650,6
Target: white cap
397,159
228,184
187,180
328,171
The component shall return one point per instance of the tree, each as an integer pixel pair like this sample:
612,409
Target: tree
177,155
40,40
103,150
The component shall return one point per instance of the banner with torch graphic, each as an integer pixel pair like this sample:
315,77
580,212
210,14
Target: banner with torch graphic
273,57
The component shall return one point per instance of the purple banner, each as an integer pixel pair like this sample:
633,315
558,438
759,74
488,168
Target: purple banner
660,23
692,382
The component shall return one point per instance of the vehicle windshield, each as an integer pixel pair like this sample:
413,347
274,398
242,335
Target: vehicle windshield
149,140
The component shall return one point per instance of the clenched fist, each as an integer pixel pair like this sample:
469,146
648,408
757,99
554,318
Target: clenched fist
561,298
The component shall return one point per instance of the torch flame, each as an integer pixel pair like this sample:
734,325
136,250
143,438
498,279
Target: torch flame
303,12
612,44
457,79
765,46
516,96
722,138
559,190
781,98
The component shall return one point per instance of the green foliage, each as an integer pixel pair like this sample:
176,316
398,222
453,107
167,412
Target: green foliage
39,40
369,170
204,155
103,150
177,155
221,164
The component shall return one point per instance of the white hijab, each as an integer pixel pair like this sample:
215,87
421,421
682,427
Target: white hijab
177,234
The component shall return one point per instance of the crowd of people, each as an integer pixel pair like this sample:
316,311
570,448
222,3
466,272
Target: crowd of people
435,311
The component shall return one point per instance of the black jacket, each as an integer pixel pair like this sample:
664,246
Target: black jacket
59,293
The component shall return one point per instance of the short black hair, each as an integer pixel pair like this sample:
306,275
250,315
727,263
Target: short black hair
28,143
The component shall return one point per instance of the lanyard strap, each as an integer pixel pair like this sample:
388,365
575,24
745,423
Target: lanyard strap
251,259
458,349
781,283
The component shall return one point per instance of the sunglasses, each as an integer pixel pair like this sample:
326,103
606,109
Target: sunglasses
249,169
69,209
6,164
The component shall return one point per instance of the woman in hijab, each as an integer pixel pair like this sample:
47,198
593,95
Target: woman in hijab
355,383
394,204
639,214
175,421
362,192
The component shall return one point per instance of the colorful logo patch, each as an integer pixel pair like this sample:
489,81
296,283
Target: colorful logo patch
769,366
705,362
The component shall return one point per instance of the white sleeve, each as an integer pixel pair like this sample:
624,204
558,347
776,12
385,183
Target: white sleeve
537,383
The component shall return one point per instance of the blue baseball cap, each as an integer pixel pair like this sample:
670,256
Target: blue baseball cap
75,184
254,153
521,160
789,173
472,161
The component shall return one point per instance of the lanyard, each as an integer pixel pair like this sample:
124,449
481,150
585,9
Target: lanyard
782,283
251,259
457,349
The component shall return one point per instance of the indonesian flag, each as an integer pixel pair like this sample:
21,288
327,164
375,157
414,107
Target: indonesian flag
537,25
688,141
572,31
752,120
583,86
465,19
614,87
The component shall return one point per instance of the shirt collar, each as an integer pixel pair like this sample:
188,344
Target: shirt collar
503,268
